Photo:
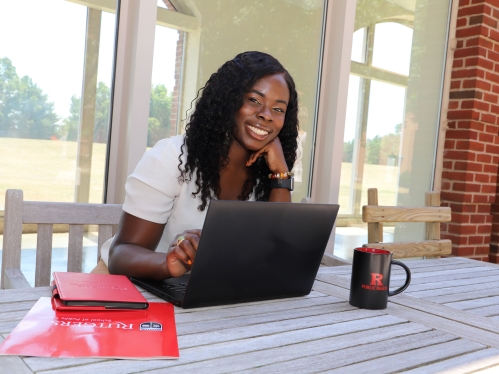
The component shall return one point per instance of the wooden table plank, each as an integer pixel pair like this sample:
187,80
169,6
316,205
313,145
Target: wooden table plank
476,328
12,364
261,318
464,363
470,304
407,360
12,297
203,355
245,332
486,311
366,352
477,293
451,286
248,310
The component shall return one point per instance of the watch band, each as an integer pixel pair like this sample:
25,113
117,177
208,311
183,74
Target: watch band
288,183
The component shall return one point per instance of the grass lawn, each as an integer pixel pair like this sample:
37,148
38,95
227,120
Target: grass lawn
46,169
382,177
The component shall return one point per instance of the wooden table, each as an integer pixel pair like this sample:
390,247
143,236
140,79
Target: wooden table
448,319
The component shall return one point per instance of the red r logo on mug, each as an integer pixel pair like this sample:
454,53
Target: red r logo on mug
376,279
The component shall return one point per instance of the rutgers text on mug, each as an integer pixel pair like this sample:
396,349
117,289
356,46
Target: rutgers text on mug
369,287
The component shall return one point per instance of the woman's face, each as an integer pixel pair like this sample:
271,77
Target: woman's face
261,117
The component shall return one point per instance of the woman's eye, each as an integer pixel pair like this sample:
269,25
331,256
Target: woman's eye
253,100
279,110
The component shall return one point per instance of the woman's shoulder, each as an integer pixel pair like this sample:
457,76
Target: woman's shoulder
171,144
163,156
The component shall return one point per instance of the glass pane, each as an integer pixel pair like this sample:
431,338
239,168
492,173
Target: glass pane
390,130
165,84
55,105
54,109
359,45
392,47
278,27
385,116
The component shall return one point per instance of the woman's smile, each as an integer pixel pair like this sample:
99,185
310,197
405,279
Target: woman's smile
257,133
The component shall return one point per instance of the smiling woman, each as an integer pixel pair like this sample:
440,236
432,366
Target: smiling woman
243,131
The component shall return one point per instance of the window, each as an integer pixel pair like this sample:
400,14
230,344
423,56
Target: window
56,68
392,113
290,30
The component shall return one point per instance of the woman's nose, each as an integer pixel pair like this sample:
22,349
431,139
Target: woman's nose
265,114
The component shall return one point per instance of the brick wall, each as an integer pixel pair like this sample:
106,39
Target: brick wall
174,115
471,155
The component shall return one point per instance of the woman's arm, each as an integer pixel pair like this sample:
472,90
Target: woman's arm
274,156
132,250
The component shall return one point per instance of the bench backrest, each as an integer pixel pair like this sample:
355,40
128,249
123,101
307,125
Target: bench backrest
45,215
432,213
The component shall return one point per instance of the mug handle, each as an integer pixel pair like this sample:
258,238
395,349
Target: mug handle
407,280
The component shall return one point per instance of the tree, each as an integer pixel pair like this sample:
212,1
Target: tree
373,150
159,115
348,151
101,119
160,109
25,111
70,126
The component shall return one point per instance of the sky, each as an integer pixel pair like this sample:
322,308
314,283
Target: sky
46,41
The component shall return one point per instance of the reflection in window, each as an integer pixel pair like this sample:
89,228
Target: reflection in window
359,45
392,112
392,47
215,32
55,98
165,85
56,68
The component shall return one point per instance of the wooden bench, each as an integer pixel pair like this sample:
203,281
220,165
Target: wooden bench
432,214
45,215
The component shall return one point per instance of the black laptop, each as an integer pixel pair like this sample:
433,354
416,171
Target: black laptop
252,251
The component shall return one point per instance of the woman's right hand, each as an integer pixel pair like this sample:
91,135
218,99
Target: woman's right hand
182,253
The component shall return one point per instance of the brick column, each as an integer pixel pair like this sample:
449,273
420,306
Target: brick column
471,155
179,63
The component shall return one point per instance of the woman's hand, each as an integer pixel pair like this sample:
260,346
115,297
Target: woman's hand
274,156
182,252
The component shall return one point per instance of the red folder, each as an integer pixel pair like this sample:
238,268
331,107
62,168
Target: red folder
95,292
139,334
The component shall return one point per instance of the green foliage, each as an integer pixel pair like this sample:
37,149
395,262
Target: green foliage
102,105
373,150
25,111
101,119
159,115
69,129
348,151
380,150
160,110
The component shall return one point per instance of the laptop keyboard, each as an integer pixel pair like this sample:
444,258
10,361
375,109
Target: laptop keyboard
178,287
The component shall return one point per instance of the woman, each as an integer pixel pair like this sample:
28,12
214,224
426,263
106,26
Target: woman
242,133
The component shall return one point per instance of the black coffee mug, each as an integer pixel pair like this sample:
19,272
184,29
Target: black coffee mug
369,288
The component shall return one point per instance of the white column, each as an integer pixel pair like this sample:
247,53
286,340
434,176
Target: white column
332,104
132,91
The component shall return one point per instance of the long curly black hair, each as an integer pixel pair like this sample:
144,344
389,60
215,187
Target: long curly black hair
209,131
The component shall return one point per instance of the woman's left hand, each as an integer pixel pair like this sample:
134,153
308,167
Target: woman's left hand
274,156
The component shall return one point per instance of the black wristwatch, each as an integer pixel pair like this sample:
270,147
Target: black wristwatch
288,183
